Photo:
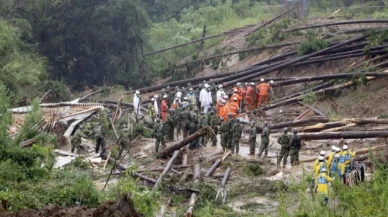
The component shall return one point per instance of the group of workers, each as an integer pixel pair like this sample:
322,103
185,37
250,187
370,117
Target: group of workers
338,164
96,132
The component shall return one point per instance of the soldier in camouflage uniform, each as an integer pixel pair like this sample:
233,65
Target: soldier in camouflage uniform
213,122
284,141
177,121
231,122
76,139
224,131
99,135
264,140
236,131
194,121
125,138
169,126
158,135
295,146
252,139
203,122
185,121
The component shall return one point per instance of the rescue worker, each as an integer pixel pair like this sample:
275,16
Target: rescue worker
191,98
213,121
252,139
204,122
151,109
295,146
322,185
346,158
226,108
218,104
263,89
156,106
231,122
125,140
224,131
202,94
178,94
99,135
186,103
185,121
206,99
220,92
164,108
76,139
177,121
213,91
236,95
249,103
330,159
316,162
335,170
169,126
321,164
194,123
222,110
175,103
234,108
264,140
284,141
136,103
158,135
236,131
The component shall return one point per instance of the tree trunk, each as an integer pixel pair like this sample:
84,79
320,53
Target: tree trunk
303,115
280,125
317,112
168,167
193,198
226,177
213,168
344,135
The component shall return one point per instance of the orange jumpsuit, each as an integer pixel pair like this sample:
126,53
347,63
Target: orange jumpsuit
164,108
226,112
239,98
263,93
218,105
249,99
233,109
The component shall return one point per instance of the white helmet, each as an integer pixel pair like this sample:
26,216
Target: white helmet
156,96
252,83
235,98
322,153
321,158
165,96
336,156
345,147
220,86
234,90
137,92
223,101
238,84
337,149
333,148
206,85
152,99
323,169
271,82
246,83
226,96
262,79
191,89
185,98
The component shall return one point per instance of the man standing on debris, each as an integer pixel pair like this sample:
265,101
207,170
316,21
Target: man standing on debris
263,89
331,156
295,144
158,135
206,99
236,131
220,93
203,122
169,126
151,109
316,162
249,105
234,108
224,131
322,185
100,141
164,107
346,158
136,103
252,139
231,122
194,122
321,164
125,140
284,141
156,106
191,98
185,121
213,121
264,140
177,121
76,139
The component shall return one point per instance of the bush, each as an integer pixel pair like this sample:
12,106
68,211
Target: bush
311,45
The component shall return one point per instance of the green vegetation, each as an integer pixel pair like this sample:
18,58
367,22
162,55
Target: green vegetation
269,35
310,98
311,45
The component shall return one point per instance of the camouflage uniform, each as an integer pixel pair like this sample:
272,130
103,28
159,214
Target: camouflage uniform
184,118
224,131
125,138
295,145
231,122
264,141
169,128
76,140
100,141
177,120
204,122
213,122
194,122
237,131
252,140
158,135
284,141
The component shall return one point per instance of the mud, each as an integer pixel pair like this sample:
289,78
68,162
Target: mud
121,208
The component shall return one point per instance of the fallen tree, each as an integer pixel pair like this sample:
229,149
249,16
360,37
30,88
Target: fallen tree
293,123
193,198
168,167
344,135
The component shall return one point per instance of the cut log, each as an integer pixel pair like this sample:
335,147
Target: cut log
184,159
28,143
226,177
344,135
360,151
167,151
193,198
293,123
317,112
213,168
303,115
168,167
323,126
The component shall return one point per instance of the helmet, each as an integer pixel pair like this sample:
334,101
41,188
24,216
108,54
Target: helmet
196,109
152,99
336,156
157,120
176,88
223,101
295,130
262,80
246,84
221,118
265,123
285,130
333,148
238,120
252,83
337,150
189,84
165,96
321,158
168,87
345,147
238,84
137,92
211,112
323,169
220,86
206,85
185,98
253,124
234,98
322,153
156,96
234,90
226,96
271,82
191,89
163,89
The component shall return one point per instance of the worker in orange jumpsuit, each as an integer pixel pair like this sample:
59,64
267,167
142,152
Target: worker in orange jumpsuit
218,104
164,108
249,96
263,89
234,107
175,103
223,110
236,95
